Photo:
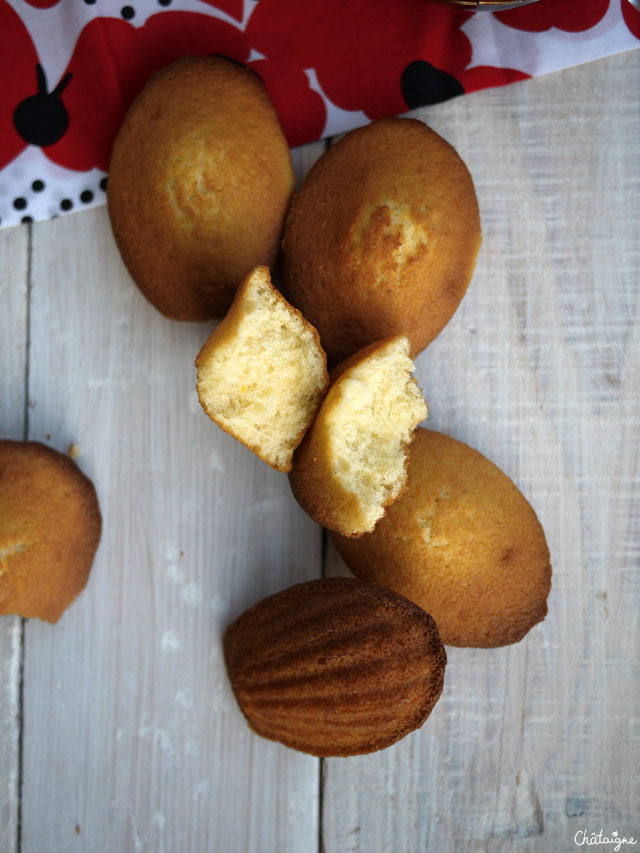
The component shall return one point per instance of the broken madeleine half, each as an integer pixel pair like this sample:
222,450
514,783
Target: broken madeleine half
352,462
262,372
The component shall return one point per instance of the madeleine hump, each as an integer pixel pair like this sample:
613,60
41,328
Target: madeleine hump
199,185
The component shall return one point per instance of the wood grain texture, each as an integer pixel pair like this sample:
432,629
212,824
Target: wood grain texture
131,732
539,370
14,265
131,737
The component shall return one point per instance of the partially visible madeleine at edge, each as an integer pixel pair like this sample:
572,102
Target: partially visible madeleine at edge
262,372
335,666
50,526
352,461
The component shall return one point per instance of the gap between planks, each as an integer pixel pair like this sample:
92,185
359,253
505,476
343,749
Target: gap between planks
21,651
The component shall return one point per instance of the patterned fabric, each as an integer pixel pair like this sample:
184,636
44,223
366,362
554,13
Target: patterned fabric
71,68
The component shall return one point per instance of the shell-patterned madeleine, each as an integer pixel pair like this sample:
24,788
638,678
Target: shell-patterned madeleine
335,666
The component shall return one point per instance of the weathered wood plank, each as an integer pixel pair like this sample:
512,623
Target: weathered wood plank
133,740
539,370
14,264
131,734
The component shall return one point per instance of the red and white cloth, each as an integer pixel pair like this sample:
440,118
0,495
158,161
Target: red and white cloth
70,69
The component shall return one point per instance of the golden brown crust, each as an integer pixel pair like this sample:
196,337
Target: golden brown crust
463,543
382,238
227,329
199,183
314,482
50,526
335,666
316,487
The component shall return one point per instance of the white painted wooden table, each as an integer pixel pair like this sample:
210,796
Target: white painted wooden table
118,730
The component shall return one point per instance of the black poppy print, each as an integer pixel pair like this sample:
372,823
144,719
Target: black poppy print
42,119
422,84
111,62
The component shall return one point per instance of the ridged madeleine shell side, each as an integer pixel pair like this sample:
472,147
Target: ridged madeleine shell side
335,666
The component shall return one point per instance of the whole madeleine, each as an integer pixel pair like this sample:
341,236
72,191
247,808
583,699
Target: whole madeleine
199,184
335,666
463,543
382,237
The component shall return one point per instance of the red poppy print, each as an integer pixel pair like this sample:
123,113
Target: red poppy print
631,17
567,15
112,62
340,40
369,58
301,111
42,4
420,53
18,63
233,8
485,76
